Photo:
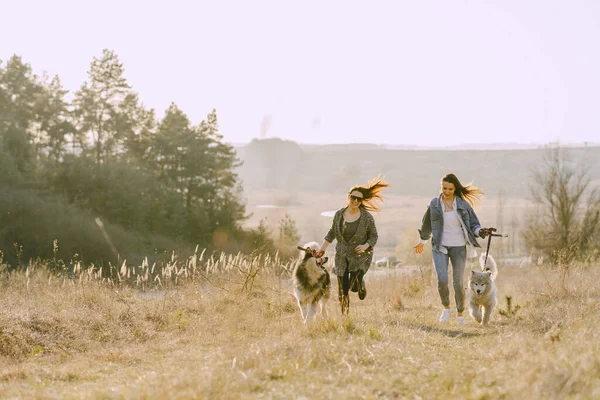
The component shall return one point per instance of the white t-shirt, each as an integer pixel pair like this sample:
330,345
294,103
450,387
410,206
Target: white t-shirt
453,234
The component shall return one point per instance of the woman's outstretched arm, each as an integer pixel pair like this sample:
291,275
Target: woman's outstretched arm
424,232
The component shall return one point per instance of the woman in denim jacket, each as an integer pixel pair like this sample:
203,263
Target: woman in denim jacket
354,229
453,226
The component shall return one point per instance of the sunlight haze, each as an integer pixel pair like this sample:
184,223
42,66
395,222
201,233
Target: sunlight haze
430,73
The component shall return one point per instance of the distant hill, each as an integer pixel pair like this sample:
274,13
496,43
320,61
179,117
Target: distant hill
283,164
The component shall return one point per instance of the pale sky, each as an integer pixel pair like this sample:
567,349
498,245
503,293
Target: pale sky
427,73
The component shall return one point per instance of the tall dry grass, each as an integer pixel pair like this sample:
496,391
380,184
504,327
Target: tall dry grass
233,330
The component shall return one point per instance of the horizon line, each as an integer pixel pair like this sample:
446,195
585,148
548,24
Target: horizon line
480,145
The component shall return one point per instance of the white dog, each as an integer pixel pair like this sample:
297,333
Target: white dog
482,291
312,284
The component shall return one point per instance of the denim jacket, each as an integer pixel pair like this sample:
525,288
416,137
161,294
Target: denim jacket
432,224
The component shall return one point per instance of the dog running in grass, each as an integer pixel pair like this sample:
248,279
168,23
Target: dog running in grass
312,284
482,291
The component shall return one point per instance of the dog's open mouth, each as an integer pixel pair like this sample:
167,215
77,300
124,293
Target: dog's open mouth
321,261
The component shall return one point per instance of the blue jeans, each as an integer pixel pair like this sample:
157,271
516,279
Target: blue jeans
458,256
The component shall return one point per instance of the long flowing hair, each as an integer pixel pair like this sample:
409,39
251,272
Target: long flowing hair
370,193
470,193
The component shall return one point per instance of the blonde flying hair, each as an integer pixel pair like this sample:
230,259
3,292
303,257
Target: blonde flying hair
370,192
470,193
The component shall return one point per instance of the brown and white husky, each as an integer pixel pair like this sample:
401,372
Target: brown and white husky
312,284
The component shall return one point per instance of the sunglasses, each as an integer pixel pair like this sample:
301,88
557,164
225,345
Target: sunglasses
355,198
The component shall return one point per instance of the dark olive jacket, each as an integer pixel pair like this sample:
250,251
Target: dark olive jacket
366,232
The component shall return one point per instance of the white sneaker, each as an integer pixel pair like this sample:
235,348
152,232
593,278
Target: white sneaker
460,320
445,317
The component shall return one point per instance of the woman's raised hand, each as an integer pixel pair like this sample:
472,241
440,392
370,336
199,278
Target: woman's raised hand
419,248
361,248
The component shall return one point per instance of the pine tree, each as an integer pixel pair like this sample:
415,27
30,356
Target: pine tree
195,163
19,92
96,105
289,237
55,126
134,127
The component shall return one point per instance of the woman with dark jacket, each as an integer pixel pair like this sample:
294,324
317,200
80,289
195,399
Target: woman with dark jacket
453,226
354,229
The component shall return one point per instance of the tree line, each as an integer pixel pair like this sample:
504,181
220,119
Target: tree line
102,171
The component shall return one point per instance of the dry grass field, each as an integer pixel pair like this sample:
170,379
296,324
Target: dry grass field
236,333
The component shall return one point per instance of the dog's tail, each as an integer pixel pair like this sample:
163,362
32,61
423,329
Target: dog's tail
490,265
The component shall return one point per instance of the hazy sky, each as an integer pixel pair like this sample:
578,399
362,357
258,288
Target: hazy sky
391,72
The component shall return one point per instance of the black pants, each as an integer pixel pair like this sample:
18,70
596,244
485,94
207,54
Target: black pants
348,277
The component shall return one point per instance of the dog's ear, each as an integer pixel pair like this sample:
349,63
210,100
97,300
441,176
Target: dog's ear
472,272
489,272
